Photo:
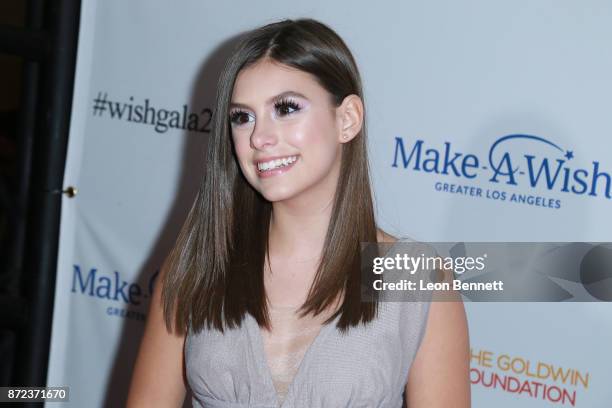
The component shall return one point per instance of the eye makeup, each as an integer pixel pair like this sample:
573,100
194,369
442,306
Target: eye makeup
239,117
286,106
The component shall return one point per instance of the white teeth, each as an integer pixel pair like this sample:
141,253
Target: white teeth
272,164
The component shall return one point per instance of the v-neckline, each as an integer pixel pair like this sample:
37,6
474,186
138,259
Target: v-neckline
262,361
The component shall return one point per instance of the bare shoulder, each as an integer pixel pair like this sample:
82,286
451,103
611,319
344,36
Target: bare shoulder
382,236
158,375
442,360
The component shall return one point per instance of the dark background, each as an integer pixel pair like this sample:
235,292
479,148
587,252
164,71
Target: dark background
38,41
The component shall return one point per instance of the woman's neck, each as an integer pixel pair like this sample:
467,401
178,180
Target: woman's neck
297,233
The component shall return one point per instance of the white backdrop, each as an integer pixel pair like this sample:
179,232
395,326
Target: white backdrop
449,78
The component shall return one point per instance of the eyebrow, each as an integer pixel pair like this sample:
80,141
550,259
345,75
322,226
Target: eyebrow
271,100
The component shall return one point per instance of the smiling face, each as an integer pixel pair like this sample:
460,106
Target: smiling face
287,134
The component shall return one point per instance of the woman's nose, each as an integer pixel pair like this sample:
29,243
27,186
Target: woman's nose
264,134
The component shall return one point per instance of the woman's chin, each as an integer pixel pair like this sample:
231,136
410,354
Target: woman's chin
278,195
277,198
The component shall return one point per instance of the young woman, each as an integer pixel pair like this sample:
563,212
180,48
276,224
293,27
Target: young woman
259,302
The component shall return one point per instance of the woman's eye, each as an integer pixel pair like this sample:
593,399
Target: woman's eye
240,117
286,107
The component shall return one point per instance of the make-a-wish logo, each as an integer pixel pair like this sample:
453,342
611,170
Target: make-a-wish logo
128,299
517,160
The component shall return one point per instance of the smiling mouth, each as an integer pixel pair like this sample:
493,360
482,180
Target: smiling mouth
276,164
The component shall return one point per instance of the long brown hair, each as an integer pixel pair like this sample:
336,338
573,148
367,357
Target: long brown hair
214,273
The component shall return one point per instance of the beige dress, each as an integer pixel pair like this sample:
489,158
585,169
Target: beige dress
366,367
285,346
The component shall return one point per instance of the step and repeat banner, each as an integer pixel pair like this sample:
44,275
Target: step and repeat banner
488,121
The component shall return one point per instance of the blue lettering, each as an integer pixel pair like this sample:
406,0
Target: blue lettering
399,146
434,160
119,290
134,294
104,287
450,163
596,176
550,182
580,181
509,170
469,161
91,276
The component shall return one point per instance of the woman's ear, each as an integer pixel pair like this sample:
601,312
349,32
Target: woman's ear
350,118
